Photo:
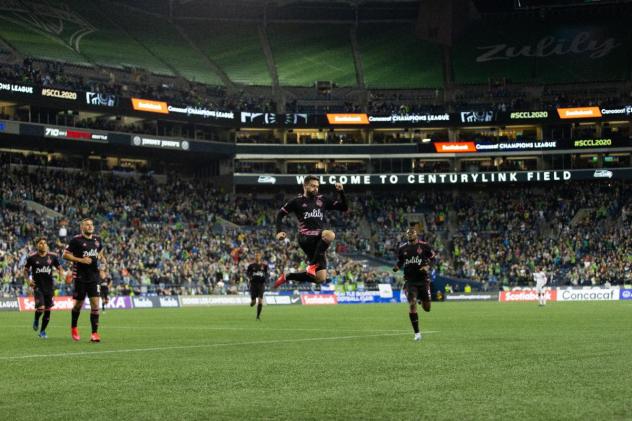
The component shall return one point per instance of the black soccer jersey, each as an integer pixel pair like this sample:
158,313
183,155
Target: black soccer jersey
81,246
257,272
412,256
41,268
310,211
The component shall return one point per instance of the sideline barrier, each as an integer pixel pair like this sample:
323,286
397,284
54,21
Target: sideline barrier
567,294
310,299
592,294
9,304
527,294
66,302
472,297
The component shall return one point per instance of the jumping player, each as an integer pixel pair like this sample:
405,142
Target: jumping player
540,281
257,273
85,250
40,266
415,257
309,209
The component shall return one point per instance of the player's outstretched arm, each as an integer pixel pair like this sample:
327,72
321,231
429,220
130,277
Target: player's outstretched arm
340,203
280,234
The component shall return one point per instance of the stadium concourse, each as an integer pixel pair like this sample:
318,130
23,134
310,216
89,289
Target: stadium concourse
177,236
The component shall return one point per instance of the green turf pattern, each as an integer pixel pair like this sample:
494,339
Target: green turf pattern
476,361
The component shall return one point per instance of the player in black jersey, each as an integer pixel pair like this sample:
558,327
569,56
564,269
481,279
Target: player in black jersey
415,257
309,209
257,273
40,266
104,289
85,250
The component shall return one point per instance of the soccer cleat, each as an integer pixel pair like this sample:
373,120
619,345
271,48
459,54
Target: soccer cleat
74,332
35,325
418,336
43,335
311,270
95,337
280,281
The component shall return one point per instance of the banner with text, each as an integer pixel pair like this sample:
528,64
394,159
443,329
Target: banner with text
501,177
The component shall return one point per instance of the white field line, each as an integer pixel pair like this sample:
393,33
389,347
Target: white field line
179,347
106,327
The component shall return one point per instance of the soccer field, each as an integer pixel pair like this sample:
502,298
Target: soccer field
476,361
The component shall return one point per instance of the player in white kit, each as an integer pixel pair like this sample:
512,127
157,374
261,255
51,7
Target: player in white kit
540,281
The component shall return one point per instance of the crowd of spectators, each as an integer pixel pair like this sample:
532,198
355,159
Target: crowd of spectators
188,237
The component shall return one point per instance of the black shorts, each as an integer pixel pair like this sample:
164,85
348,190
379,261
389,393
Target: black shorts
308,244
417,291
91,289
104,291
257,289
43,298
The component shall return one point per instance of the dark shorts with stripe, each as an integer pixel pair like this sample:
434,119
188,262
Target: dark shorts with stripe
104,291
308,245
83,289
416,290
43,298
257,289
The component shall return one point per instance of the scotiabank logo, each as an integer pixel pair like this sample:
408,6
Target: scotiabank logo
455,147
318,299
580,112
61,303
348,119
150,106
526,295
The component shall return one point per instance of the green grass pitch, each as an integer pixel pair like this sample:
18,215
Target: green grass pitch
476,361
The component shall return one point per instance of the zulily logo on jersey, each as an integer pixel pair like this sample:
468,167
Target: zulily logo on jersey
45,269
316,213
91,253
416,260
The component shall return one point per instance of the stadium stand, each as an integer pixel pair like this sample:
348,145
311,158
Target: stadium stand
304,54
228,45
393,57
176,236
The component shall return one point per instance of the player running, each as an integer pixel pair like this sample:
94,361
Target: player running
415,257
40,266
257,273
85,250
309,209
539,276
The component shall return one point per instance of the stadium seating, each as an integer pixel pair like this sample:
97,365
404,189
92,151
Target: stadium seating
172,235
235,48
393,57
31,40
306,53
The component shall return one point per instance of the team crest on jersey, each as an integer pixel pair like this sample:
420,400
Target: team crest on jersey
96,243
84,244
319,202
304,205
418,250
48,261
